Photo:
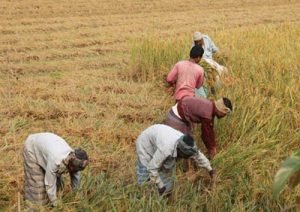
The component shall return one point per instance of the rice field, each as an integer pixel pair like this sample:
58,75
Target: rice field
94,73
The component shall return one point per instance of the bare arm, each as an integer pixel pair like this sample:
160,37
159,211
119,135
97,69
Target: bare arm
200,79
172,76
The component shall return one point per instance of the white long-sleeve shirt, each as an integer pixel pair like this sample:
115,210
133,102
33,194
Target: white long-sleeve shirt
208,46
156,149
49,151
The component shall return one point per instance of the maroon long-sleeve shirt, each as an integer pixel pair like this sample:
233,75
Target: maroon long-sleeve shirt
199,110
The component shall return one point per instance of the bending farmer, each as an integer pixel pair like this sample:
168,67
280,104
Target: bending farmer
157,148
46,157
191,110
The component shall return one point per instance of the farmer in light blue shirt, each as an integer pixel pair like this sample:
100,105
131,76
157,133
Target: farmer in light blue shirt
209,49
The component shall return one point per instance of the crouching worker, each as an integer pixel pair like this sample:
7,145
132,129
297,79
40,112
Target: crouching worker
157,148
46,157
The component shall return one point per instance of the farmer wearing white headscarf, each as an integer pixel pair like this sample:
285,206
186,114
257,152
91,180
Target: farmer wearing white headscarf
190,110
46,157
210,48
157,149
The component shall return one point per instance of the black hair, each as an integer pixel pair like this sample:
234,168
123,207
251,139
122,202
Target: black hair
81,154
79,160
227,103
189,140
196,51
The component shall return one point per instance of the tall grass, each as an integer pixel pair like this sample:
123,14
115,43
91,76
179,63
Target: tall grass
105,119
152,57
64,68
264,128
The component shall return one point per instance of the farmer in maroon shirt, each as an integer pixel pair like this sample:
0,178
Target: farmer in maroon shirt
191,110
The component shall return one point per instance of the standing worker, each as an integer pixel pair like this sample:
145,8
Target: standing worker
46,157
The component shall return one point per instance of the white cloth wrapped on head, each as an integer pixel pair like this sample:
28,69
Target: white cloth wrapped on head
221,106
197,36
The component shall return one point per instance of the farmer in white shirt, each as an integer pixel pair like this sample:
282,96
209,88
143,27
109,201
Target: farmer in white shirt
46,157
157,148
209,49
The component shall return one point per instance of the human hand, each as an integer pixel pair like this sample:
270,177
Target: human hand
54,203
162,190
225,71
170,90
212,174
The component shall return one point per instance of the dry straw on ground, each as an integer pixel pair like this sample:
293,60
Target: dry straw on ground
93,72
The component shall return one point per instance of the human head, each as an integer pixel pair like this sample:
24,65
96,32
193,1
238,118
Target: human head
196,53
78,161
198,38
186,146
223,106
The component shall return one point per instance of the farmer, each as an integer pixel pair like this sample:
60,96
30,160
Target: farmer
46,157
187,75
191,110
157,148
210,48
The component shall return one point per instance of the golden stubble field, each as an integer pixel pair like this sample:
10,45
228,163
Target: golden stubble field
65,67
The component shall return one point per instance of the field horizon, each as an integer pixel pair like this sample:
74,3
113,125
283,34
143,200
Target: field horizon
93,72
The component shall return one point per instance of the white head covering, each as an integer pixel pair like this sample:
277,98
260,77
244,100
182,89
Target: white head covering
197,36
221,106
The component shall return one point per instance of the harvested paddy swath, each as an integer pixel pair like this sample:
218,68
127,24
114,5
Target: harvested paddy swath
93,72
